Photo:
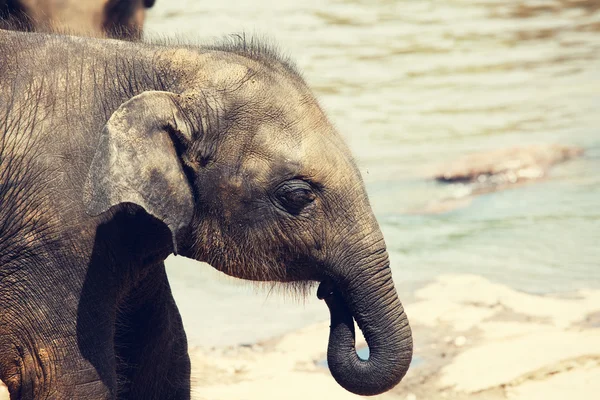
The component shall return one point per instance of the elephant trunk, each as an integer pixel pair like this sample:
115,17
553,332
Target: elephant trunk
371,299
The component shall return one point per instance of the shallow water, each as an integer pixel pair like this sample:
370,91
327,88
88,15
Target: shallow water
410,85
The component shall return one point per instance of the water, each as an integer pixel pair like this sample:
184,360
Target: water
411,85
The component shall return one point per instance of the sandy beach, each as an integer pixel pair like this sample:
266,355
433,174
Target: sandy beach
473,339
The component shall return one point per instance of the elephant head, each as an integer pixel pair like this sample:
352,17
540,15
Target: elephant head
251,177
113,18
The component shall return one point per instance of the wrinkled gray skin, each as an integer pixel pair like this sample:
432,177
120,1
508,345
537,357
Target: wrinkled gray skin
111,18
113,155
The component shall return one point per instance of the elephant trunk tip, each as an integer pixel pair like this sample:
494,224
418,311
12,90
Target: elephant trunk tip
390,349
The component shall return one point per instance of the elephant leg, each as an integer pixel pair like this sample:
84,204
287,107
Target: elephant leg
51,347
150,341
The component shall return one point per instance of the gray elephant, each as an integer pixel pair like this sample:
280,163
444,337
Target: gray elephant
112,18
114,155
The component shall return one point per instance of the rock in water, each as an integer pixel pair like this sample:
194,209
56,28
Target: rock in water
494,170
506,166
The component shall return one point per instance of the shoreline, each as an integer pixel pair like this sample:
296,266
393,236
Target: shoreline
474,339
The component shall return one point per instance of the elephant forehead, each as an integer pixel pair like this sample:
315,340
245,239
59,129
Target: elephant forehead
271,146
274,139
329,155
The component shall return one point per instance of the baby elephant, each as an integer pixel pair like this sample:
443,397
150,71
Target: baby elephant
112,18
114,155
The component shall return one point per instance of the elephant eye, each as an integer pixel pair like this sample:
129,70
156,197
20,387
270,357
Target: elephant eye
294,195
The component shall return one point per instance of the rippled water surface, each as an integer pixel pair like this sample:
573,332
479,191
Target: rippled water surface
410,85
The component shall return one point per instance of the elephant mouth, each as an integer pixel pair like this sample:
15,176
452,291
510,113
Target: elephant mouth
326,289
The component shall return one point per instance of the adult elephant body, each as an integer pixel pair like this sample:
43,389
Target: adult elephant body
113,18
114,155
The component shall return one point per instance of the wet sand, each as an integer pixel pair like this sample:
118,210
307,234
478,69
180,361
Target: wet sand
474,339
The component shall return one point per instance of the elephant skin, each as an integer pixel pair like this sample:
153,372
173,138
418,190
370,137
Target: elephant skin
114,155
111,18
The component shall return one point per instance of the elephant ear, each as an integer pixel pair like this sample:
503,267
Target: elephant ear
136,161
